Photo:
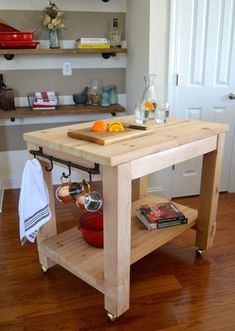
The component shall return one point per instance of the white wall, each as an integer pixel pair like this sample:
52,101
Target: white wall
137,64
159,44
160,182
147,24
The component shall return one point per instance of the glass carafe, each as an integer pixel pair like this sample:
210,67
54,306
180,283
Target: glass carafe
149,99
95,91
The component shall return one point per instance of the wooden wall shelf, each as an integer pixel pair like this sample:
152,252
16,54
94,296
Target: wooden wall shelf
9,53
24,112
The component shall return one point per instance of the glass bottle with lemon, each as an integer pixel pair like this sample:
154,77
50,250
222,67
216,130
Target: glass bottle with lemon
149,99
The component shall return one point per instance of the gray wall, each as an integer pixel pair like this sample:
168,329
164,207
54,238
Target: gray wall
36,78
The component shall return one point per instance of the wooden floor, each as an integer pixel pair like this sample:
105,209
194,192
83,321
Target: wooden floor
171,289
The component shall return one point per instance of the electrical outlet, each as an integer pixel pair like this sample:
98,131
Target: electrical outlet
67,68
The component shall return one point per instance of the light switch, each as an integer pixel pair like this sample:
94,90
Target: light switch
67,68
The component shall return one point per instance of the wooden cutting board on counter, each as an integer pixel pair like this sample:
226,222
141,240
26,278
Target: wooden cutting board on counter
108,138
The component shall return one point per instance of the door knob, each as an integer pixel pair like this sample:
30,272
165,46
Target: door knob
232,95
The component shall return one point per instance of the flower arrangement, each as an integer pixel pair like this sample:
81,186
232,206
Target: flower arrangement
53,17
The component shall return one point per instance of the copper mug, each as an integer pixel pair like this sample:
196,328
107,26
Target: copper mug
66,192
88,199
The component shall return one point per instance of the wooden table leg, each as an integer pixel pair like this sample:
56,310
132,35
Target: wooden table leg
117,237
139,187
209,193
48,229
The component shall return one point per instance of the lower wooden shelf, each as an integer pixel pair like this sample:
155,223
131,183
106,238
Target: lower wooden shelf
23,112
69,250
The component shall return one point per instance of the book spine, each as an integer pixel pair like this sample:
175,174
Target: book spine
170,223
43,108
145,222
93,40
180,217
93,46
161,224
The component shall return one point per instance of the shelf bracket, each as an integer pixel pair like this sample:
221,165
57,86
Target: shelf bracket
91,171
108,55
9,56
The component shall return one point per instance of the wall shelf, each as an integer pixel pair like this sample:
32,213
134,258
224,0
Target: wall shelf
106,52
24,112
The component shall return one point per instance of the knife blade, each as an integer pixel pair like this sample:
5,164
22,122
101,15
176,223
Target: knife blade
135,126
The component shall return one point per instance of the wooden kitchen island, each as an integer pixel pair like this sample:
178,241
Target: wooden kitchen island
124,166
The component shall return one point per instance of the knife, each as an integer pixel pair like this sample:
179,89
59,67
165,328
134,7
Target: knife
136,127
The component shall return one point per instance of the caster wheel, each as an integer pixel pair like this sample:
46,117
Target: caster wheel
111,317
199,252
44,269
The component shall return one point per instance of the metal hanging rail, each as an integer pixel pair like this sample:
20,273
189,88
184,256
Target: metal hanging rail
91,171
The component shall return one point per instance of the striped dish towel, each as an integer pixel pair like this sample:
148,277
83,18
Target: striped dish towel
34,210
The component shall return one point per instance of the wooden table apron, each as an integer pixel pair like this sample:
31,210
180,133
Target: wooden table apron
124,166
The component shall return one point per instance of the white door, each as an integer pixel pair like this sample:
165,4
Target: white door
202,72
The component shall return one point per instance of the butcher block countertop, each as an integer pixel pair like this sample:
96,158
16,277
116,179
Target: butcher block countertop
176,132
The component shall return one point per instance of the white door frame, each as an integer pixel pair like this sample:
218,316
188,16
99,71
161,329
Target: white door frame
1,195
173,53
172,66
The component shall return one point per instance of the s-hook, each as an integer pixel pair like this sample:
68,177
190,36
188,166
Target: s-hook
52,165
69,174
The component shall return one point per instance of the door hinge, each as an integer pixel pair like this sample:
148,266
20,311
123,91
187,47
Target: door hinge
177,79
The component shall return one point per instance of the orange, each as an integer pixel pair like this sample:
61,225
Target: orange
99,126
116,128
149,105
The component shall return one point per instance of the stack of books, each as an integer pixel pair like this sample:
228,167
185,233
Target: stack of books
93,43
43,100
160,215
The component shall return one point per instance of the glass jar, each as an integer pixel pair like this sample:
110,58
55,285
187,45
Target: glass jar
114,36
105,101
95,91
54,41
149,99
113,97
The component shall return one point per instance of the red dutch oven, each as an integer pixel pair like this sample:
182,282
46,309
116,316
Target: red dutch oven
16,36
91,226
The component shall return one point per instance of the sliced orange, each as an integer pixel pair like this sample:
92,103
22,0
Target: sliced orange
99,126
149,105
115,122
116,128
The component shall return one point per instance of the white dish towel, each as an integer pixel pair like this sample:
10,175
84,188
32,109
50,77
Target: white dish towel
34,210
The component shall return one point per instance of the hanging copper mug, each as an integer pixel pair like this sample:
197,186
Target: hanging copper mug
66,192
88,199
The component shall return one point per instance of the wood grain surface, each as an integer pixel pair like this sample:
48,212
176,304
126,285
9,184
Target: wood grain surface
107,138
174,133
61,110
171,288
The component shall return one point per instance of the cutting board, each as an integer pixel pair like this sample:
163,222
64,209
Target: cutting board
108,138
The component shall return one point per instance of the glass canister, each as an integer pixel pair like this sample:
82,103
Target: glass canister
95,91
149,99
113,97
105,100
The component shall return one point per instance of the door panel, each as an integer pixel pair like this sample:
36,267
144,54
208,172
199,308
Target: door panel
204,60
